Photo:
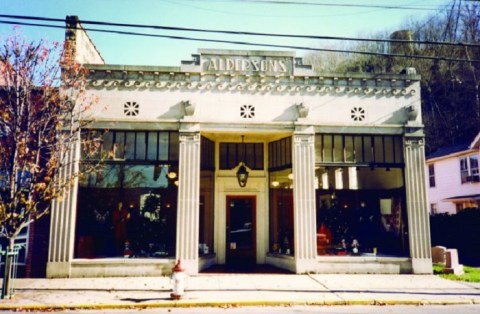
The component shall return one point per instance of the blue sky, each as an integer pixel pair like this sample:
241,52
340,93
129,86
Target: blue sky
251,16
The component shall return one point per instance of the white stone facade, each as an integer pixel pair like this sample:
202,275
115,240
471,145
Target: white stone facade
263,96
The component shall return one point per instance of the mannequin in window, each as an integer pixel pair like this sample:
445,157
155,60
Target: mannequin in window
120,217
101,227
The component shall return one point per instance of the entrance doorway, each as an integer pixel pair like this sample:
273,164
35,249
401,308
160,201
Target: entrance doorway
240,243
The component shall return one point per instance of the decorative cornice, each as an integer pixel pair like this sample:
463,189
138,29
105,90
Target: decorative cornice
364,84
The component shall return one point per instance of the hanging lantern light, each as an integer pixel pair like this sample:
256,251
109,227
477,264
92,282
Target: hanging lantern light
242,173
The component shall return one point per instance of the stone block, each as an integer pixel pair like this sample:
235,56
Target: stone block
438,254
452,266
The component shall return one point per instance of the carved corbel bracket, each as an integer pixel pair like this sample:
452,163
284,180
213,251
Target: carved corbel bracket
188,107
302,110
412,112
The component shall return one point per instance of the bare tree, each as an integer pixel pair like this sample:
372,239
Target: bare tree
450,96
43,108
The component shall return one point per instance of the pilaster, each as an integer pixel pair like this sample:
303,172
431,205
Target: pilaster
304,201
188,201
417,208
62,219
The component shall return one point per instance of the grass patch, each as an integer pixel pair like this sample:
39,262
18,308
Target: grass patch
471,274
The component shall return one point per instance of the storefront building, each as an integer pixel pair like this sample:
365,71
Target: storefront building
246,157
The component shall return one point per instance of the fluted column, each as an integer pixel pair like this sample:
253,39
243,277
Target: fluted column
418,217
188,201
304,202
62,220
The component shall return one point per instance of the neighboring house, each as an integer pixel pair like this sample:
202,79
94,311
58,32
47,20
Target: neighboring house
453,177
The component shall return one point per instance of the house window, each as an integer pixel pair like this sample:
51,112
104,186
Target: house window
459,207
474,168
469,171
433,209
431,175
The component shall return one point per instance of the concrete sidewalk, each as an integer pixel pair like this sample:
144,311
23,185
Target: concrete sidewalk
239,290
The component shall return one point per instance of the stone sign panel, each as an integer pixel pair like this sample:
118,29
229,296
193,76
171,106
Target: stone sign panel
247,64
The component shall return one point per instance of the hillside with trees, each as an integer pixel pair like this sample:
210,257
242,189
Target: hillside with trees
445,50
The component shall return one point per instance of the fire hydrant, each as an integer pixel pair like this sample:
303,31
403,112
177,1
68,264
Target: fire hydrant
179,281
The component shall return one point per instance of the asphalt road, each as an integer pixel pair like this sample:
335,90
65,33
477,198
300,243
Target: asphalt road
396,309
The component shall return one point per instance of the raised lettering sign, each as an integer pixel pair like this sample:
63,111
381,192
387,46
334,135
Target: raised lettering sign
247,65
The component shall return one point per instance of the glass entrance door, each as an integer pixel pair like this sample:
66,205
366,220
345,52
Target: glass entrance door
240,212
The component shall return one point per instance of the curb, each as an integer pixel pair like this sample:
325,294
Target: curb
227,304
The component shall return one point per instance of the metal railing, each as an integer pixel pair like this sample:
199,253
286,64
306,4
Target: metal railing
9,261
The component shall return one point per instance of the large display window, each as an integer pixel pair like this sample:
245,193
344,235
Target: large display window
127,211
129,207
360,196
361,212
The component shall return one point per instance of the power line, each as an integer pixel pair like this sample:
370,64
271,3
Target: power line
174,28
351,5
247,43
293,4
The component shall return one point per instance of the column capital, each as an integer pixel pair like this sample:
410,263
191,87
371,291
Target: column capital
303,138
189,136
414,141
